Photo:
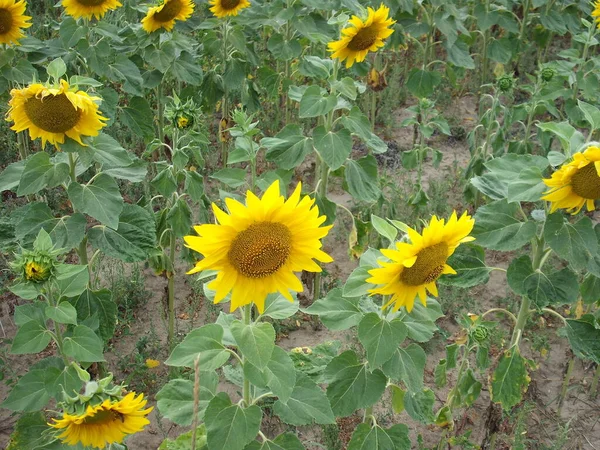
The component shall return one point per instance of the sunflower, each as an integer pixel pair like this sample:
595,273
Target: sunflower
12,21
89,8
165,15
576,183
415,267
51,113
104,424
363,36
224,8
257,247
596,12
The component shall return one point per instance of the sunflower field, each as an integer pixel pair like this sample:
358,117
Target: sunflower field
299,224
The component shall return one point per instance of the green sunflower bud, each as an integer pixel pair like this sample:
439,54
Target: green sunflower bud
35,266
505,83
480,334
548,73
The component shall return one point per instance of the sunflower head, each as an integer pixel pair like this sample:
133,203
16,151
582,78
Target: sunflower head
547,74
258,247
53,112
37,265
13,21
363,36
413,268
596,12
505,83
576,183
376,80
89,9
166,14
226,8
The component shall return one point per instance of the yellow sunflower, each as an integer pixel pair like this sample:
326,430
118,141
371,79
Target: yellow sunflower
51,113
257,247
12,21
415,267
576,183
224,8
361,37
165,15
89,8
104,424
596,12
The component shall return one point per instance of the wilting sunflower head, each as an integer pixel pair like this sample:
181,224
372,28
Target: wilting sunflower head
166,13
13,21
51,113
225,8
89,8
258,246
414,267
376,80
363,36
576,183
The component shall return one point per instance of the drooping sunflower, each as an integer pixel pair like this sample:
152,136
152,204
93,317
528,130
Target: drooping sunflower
51,113
224,8
576,183
104,424
362,37
12,21
165,14
414,267
257,247
89,8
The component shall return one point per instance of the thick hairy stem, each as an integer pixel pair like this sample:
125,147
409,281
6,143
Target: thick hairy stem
247,395
196,400
171,291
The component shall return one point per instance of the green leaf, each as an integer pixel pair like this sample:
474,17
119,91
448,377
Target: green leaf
164,182
139,117
366,437
497,228
31,337
351,385
228,426
440,374
281,374
570,139
194,185
184,441
125,70
469,263
179,217
84,345
590,289
407,365
101,199
576,243
40,172
288,148
384,228
528,187
72,279
380,337
362,179
333,147
203,343
11,175
175,400
63,313
510,379
255,341
336,311
134,172
307,404
360,125
584,339
231,177
185,68
468,390
97,304
283,49
29,394
30,311
314,103
66,232
356,284
556,288
422,83
107,151
134,238
421,320
30,432
397,398
591,113
419,405
278,307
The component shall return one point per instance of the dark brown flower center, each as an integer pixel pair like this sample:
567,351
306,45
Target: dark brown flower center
6,21
261,250
91,2
364,39
169,11
54,113
103,416
229,4
428,267
586,182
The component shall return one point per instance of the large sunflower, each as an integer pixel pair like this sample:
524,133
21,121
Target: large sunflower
165,14
224,8
51,113
104,424
596,12
89,8
257,247
415,267
361,37
576,183
12,21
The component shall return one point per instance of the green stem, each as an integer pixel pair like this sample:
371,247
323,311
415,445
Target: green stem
171,290
247,316
584,55
59,342
161,114
523,29
594,386
322,193
225,102
463,363
373,109
565,385
196,400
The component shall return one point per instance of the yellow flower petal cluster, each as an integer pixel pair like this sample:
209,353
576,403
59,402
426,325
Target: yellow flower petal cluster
576,183
165,14
225,8
596,12
152,363
89,8
104,424
362,37
51,113
258,246
414,267
13,21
